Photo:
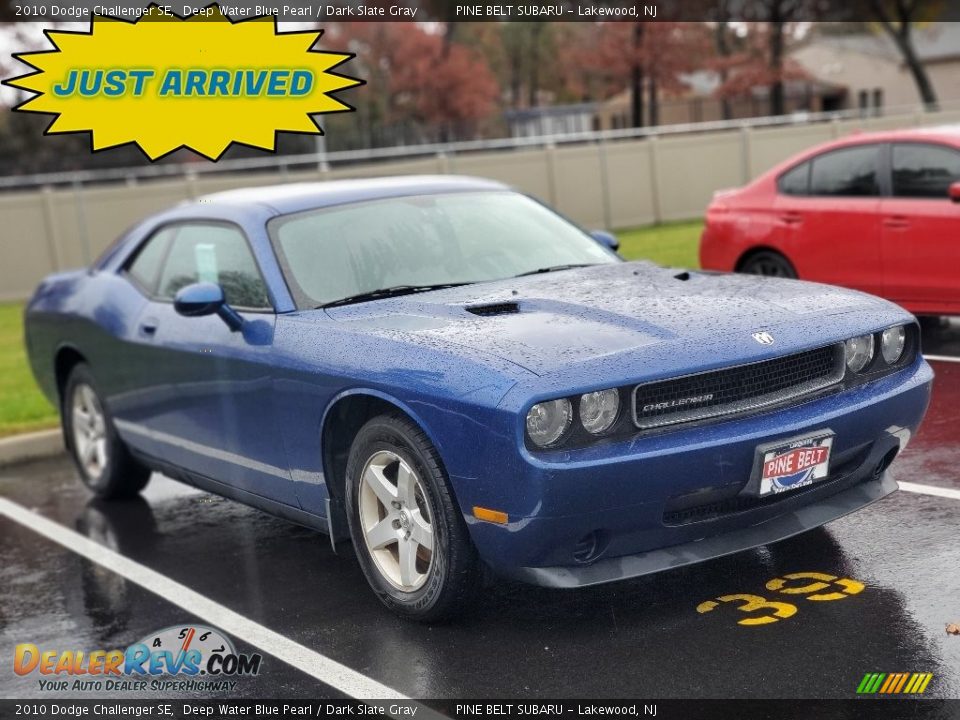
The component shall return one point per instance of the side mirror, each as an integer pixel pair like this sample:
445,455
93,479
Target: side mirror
954,192
206,298
607,239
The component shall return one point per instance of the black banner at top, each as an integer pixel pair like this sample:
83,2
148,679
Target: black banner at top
50,11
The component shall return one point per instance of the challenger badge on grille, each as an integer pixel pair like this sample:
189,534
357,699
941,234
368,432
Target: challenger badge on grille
736,389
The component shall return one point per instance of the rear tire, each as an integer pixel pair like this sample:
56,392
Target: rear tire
407,529
103,461
768,263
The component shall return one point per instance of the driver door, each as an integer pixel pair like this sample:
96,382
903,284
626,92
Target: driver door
203,397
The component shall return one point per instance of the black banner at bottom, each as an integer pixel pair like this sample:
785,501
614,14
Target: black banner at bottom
854,708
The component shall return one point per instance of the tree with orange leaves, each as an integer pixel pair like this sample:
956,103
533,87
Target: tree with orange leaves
417,75
649,58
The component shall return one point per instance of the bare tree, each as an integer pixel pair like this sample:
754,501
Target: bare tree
780,16
533,80
897,18
722,41
779,11
636,77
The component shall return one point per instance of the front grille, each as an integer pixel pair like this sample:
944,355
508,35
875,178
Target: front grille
737,389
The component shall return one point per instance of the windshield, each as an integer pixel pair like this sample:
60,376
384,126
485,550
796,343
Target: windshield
426,240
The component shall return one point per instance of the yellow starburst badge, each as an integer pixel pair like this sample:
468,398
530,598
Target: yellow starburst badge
166,82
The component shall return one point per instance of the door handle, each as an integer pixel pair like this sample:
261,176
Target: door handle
791,218
148,327
897,222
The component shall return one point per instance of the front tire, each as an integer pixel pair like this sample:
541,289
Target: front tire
410,538
770,264
103,461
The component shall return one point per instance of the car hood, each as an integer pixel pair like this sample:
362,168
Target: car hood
545,322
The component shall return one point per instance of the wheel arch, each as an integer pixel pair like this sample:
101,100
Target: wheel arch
343,418
65,360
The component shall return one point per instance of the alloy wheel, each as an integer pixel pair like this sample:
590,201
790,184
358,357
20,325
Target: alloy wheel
89,431
395,521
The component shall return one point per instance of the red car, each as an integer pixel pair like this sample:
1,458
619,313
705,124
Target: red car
878,212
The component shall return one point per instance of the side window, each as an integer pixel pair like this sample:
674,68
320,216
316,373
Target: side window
849,172
145,268
218,254
924,171
795,181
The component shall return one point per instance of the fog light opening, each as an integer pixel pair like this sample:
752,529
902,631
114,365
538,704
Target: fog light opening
590,546
886,462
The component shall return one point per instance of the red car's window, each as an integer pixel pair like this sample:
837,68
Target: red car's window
847,172
795,181
924,171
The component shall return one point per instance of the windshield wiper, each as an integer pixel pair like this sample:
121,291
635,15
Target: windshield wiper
555,268
388,292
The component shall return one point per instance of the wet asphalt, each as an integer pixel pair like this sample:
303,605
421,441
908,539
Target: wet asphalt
641,638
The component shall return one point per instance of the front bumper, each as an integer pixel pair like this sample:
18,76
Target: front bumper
781,527
607,513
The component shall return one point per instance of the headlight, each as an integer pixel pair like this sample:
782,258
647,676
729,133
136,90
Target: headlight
598,410
859,352
892,342
548,421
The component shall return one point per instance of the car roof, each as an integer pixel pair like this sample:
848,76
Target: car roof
947,134
944,133
297,197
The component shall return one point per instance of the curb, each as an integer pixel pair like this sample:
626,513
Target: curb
30,446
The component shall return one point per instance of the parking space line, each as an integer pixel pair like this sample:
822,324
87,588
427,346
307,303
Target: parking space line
942,358
930,490
308,661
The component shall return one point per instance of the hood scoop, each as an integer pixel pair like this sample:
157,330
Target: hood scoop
492,309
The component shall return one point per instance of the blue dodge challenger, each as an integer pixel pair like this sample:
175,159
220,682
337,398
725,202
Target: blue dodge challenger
454,377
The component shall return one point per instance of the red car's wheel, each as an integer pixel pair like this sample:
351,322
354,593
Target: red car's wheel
770,263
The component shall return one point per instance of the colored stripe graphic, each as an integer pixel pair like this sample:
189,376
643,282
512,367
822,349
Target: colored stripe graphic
894,683
891,681
900,682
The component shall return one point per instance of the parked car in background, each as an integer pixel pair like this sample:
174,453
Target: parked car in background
454,377
878,212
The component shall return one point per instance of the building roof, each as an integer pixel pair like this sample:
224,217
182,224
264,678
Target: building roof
935,42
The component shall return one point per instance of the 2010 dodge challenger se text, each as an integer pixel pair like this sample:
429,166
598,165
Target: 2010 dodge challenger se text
454,377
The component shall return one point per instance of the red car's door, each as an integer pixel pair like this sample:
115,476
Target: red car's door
832,231
921,228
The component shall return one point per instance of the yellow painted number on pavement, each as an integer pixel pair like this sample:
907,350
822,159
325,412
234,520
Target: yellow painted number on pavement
752,603
812,585
813,589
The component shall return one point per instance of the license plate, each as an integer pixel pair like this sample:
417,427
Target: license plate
794,464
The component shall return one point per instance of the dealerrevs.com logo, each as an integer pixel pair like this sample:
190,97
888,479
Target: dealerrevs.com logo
177,658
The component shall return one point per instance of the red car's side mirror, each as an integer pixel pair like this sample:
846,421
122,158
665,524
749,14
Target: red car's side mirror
954,192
